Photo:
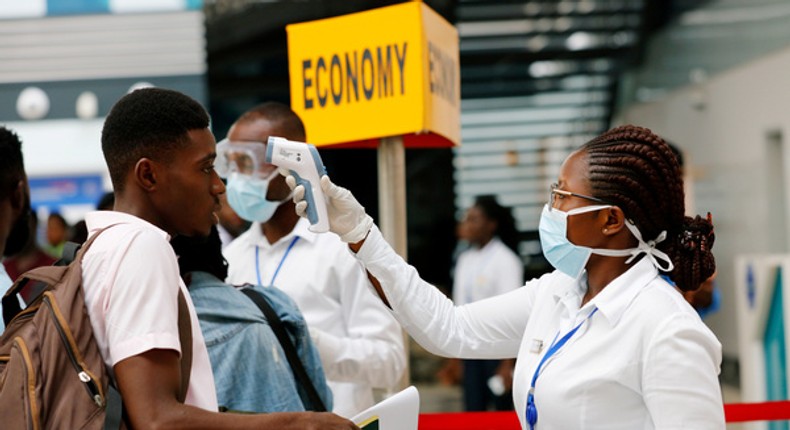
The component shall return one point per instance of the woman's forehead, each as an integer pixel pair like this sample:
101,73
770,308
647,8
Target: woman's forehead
573,173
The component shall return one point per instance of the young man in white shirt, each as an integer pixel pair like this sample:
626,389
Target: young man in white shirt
160,154
360,343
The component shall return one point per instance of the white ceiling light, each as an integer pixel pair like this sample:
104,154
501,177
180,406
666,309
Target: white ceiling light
32,103
87,105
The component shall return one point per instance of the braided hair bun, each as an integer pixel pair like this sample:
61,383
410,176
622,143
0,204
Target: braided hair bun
695,262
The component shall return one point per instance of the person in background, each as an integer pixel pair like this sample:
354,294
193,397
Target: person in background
78,233
57,234
106,201
604,341
244,351
14,203
707,299
462,242
31,255
160,154
489,267
360,343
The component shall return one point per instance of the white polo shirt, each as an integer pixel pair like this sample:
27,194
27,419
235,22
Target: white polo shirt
131,280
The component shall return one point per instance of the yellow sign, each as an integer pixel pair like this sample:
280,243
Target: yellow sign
392,71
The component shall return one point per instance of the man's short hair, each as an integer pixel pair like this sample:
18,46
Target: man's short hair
12,166
148,123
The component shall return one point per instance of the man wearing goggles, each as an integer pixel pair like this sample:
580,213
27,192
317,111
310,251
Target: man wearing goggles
248,176
360,343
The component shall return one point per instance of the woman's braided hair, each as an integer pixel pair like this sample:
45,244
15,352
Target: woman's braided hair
632,168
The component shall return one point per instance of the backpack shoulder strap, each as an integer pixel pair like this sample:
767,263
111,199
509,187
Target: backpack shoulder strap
185,337
70,251
290,351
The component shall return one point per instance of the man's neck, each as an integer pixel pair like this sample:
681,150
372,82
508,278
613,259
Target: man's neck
281,224
142,211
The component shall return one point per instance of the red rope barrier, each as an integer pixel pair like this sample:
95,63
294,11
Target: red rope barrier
470,421
733,413
766,411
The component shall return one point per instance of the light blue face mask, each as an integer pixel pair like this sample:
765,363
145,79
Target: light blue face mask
571,259
247,196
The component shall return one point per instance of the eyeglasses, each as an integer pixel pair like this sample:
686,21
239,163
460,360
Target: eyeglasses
561,194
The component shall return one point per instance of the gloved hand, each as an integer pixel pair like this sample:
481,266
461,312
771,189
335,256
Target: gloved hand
347,218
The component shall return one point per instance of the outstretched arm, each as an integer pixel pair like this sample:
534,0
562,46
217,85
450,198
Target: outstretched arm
149,384
479,330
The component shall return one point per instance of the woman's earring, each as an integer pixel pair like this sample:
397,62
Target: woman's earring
606,230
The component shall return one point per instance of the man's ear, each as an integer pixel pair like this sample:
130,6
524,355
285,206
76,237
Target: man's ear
20,196
614,220
145,174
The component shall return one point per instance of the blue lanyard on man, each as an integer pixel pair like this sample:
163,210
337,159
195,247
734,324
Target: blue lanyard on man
532,411
258,267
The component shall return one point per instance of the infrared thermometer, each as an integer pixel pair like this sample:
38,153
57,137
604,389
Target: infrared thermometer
305,164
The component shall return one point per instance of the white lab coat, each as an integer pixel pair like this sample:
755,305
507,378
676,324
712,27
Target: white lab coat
645,360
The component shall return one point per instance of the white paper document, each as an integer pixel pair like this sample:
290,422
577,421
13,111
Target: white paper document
397,412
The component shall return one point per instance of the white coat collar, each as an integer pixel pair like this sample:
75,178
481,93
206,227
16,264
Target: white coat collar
615,297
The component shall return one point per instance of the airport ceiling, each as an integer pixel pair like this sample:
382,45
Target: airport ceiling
508,48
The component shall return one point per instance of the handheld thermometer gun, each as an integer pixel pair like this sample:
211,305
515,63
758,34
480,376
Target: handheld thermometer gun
305,164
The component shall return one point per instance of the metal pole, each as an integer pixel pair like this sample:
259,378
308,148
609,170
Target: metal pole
392,212
392,193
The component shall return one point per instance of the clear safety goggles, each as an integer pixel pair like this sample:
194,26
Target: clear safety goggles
244,157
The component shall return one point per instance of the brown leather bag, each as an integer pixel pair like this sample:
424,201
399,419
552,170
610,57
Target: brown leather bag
52,375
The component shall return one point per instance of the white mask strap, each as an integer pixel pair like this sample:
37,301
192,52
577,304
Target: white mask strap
288,197
271,175
647,248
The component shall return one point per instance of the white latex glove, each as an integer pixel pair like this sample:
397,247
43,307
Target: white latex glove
347,218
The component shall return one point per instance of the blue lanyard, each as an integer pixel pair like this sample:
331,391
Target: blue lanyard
532,411
258,267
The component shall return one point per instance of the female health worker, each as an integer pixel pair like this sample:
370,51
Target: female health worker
603,342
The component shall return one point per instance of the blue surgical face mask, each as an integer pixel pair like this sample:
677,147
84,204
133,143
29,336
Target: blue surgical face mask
247,196
571,259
